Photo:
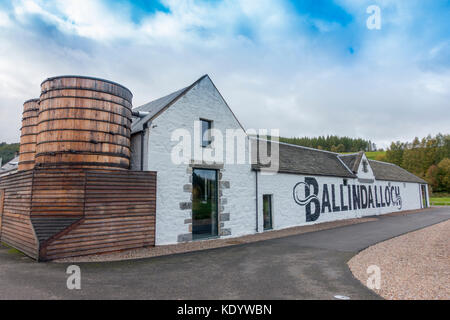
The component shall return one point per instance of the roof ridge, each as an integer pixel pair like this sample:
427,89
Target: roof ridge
182,91
138,127
160,98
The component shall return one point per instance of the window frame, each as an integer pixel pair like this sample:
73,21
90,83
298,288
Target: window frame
270,197
216,233
206,143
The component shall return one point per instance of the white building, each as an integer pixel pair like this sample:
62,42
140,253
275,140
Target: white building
200,198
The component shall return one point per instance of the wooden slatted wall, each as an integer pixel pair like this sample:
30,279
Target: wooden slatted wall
2,201
58,193
119,214
56,213
16,228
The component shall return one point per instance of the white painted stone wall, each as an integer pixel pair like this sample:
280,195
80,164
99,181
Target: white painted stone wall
287,213
365,175
202,101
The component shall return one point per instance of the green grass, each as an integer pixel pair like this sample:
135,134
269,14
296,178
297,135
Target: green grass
440,201
12,250
373,154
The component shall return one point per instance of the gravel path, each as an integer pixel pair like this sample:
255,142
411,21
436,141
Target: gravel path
413,266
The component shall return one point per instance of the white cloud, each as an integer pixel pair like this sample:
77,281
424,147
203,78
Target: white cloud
278,77
5,21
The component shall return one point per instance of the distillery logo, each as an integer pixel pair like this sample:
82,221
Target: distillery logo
337,198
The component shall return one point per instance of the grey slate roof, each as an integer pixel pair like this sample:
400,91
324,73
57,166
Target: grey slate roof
392,172
10,166
302,160
158,105
352,161
307,161
154,107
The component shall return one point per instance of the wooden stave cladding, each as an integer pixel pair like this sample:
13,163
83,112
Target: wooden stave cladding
107,210
27,150
81,83
90,94
17,229
84,122
114,217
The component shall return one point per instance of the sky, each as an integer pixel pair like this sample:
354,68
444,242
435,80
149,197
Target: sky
308,68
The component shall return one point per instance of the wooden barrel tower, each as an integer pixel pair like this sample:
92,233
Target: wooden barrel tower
84,122
28,134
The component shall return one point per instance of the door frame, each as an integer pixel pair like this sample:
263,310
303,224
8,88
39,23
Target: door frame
217,228
424,196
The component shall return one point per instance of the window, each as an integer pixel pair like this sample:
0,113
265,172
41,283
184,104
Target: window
267,211
365,169
345,182
206,132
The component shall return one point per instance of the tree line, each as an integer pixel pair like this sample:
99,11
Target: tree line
428,158
333,143
7,151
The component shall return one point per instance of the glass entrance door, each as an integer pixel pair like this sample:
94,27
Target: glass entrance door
204,203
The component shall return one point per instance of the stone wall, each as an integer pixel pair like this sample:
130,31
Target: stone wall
174,196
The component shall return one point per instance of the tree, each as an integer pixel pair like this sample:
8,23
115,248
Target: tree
327,143
340,148
8,151
444,168
432,177
395,153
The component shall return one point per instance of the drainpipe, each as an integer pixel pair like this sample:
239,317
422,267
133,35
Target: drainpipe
256,181
141,114
144,128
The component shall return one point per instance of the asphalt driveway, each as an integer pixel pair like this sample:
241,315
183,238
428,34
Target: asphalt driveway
306,266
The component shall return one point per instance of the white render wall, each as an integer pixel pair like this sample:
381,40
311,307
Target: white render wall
239,199
365,175
287,213
202,101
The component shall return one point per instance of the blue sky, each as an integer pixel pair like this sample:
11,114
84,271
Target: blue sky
306,67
